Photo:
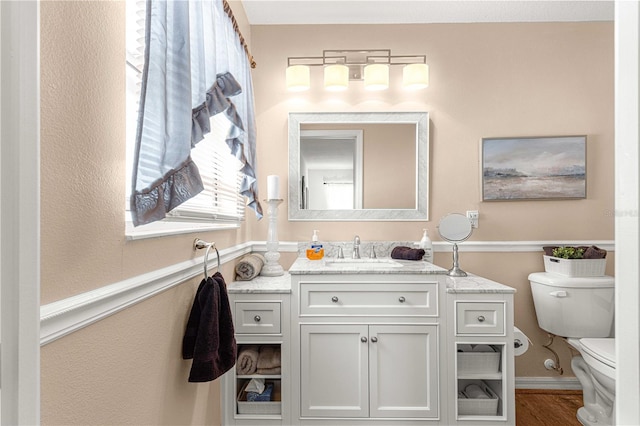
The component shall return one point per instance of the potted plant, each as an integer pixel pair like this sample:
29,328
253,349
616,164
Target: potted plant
568,252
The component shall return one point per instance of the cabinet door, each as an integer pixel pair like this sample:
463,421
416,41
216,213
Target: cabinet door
403,370
334,370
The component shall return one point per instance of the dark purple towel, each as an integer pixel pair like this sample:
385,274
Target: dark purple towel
407,253
209,337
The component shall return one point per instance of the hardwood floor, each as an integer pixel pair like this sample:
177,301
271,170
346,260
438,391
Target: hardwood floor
544,407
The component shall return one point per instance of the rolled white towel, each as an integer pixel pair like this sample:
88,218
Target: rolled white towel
249,267
247,360
483,348
475,391
465,348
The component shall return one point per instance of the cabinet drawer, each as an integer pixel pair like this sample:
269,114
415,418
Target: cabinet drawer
257,317
480,318
377,298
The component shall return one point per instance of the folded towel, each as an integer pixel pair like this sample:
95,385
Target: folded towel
594,252
407,253
269,371
248,360
269,357
249,267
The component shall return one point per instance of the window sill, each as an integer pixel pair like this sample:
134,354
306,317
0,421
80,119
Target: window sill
167,228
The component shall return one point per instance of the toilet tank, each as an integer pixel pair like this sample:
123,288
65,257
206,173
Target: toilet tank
573,306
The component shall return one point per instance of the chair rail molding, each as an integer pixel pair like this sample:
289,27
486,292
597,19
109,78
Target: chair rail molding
66,316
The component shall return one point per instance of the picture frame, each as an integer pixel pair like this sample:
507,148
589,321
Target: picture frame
533,168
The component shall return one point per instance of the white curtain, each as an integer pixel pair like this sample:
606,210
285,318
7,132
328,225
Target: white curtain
195,67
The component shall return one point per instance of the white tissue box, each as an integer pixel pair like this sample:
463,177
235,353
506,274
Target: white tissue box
478,362
273,407
479,406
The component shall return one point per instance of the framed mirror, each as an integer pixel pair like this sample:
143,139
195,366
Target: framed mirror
358,166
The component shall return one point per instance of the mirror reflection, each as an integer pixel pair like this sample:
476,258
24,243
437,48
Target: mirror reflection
365,166
347,166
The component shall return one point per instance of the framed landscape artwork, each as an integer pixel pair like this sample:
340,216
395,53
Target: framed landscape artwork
533,168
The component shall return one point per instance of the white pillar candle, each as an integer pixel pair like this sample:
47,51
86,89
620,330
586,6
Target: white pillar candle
273,187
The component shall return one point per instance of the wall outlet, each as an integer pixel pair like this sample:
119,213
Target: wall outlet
473,215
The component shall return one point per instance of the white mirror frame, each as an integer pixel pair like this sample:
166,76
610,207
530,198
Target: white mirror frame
420,213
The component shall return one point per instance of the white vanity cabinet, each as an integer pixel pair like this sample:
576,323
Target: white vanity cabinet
375,347
482,340
366,346
377,371
261,316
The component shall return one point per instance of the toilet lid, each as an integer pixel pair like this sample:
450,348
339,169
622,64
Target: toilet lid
604,350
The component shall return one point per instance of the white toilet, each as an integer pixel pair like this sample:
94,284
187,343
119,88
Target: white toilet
581,309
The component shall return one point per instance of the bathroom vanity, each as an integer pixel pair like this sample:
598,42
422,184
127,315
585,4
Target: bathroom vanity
375,342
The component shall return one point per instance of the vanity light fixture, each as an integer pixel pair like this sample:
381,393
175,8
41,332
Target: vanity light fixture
298,78
415,76
368,65
336,77
376,76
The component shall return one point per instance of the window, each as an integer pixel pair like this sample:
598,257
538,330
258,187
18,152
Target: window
220,204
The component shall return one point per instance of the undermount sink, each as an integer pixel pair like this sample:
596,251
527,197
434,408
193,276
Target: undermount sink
362,263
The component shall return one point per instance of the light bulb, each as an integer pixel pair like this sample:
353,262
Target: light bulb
298,78
376,77
415,76
336,77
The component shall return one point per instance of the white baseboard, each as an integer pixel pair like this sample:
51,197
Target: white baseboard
555,383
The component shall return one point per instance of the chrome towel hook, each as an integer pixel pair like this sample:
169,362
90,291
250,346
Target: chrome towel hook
200,244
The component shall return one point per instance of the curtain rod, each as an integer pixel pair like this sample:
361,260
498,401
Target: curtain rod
229,12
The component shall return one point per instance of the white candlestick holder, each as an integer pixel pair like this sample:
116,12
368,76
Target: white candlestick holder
271,267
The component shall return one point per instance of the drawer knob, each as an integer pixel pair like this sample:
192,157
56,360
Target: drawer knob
481,318
334,299
257,318
374,339
401,299
363,339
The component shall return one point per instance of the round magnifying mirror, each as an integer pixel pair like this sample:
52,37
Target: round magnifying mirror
455,228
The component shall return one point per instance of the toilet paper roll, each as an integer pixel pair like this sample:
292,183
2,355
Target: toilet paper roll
520,342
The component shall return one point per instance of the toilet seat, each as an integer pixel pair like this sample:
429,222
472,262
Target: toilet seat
601,349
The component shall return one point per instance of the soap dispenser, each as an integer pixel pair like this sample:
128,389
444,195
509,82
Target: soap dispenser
315,250
426,245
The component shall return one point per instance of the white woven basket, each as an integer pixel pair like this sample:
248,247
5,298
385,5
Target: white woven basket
477,406
575,267
478,362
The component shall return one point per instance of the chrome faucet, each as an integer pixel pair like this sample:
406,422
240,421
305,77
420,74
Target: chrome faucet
356,247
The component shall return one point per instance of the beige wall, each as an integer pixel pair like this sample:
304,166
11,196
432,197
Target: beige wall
126,369
487,80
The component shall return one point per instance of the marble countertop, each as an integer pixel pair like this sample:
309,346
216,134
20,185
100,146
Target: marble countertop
475,284
261,284
304,266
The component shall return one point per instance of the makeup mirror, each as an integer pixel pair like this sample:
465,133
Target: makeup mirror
455,228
